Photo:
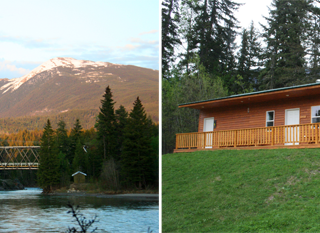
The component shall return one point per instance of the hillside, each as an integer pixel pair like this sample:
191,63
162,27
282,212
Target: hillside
65,84
241,191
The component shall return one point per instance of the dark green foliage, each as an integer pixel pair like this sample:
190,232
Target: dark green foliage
184,88
75,136
106,126
48,172
214,33
170,19
248,62
63,142
137,157
64,170
284,57
121,116
80,161
76,132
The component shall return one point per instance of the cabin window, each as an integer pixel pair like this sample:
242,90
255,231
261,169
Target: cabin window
315,114
270,118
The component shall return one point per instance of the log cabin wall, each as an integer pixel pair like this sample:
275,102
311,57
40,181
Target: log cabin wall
238,117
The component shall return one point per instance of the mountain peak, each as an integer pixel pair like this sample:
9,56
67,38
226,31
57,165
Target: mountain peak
67,62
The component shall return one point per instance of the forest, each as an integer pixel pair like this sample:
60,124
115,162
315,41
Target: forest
206,54
119,153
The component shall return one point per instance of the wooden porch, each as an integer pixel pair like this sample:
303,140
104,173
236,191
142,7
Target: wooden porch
287,136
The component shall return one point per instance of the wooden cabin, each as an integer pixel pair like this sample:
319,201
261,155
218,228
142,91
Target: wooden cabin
79,177
280,117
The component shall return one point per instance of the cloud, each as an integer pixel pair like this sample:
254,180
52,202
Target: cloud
130,47
10,70
149,32
26,42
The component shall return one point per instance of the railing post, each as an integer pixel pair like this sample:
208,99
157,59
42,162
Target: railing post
235,138
176,141
205,140
254,132
317,133
272,136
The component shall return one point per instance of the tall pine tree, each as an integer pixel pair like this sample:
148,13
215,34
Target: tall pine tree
121,120
284,56
170,19
248,61
137,157
105,125
48,173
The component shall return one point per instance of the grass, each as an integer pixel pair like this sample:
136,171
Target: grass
241,191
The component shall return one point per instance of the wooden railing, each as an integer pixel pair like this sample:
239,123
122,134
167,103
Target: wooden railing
266,136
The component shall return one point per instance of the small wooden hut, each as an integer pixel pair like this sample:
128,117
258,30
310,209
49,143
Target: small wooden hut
79,177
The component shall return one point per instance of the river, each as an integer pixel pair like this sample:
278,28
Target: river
29,211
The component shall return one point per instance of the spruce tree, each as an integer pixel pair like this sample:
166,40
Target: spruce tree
170,39
248,61
75,136
214,34
48,173
80,161
62,140
121,120
137,157
284,56
105,125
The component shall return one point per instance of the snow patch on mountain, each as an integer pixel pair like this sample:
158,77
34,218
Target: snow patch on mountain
67,62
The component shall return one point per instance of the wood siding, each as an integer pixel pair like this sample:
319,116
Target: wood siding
238,117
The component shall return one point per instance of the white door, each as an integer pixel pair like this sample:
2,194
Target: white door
292,117
208,126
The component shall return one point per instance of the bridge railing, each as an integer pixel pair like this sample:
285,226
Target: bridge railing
19,157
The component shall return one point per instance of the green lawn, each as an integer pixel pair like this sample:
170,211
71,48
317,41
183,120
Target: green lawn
241,191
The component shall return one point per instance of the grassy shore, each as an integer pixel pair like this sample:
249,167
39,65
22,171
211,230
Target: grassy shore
241,191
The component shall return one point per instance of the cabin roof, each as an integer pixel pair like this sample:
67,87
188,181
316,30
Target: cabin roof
258,96
79,172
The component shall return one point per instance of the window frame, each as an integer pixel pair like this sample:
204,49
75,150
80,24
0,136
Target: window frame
274,116
314,116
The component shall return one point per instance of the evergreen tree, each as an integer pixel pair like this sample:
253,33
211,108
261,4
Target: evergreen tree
284,56
121,116
137,157
76,131
63,142
170,19
313,43
184,88
75,136
48,173
214,34
64,169
105,125
80,160
248,61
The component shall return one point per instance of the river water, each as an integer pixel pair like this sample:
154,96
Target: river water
29,211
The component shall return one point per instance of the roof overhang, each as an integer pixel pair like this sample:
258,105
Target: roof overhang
255,97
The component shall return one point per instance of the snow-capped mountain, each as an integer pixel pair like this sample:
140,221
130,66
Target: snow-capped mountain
59,62
62,84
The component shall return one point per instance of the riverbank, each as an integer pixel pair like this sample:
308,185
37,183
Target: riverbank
85,190
132,196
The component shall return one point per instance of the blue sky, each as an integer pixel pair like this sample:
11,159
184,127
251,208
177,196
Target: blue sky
34,31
